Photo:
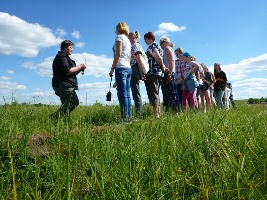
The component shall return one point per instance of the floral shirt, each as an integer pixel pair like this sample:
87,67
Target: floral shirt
136,49
154,67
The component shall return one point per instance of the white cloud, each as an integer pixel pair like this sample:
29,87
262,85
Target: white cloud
60,32
166,27
240,70
10,71
7,86
29,38
80,44
4,78
76,34
241,76
98,66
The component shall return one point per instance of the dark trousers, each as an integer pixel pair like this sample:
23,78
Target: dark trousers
180,97
135,87
69,101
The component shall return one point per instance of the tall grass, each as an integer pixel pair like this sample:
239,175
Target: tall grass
217,155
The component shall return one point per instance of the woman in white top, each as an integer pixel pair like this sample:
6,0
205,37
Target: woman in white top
123,71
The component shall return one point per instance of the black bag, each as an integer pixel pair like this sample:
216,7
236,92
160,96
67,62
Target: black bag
204,87
108,96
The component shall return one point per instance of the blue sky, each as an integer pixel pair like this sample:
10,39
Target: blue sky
230,32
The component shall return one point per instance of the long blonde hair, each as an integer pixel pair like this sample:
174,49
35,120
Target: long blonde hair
122,28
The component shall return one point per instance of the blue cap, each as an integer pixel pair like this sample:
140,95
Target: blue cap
186,54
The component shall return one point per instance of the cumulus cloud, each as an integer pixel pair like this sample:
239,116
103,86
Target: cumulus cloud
166,27
76,34
80,44
238,74
250,88
60,32
30,38
6,87
97,65
241,69
4,78
10,71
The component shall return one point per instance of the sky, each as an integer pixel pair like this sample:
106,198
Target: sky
230,32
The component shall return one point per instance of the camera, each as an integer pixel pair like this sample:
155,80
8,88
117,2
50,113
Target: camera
108,96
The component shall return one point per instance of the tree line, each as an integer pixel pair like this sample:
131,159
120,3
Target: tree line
261,100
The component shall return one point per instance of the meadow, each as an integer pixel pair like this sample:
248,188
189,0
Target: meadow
217,155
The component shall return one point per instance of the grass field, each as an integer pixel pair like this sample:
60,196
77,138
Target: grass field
217,155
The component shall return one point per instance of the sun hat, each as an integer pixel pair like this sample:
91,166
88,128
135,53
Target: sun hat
187,54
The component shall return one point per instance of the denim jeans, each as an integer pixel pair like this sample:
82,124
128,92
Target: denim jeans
123,79
219,98
231,98
135,80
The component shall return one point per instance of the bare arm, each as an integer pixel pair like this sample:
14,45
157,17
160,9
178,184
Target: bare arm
170,58
77,69
195,68
118,54
139,62
158,58
118,46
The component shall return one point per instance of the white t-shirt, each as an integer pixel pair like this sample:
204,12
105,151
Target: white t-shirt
125,58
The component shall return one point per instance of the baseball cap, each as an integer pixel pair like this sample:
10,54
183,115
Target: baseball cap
187,54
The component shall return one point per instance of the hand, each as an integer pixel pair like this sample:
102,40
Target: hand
169,78
143,77
111,71
179,80
82,67
166,70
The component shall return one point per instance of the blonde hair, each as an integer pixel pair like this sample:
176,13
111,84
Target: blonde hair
135,34
167,40
193,58
122,28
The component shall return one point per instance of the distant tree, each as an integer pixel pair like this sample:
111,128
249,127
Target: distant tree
251,101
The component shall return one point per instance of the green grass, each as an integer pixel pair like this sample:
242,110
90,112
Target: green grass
217,155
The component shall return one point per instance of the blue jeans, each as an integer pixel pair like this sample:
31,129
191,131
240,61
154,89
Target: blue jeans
123,79
135,80
219,98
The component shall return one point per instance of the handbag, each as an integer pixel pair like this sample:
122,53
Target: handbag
145,64
108,96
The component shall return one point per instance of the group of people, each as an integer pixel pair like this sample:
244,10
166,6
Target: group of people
183,81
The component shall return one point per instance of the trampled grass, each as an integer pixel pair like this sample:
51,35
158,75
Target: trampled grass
217,155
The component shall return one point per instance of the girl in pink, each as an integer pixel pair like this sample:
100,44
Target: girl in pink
189,83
